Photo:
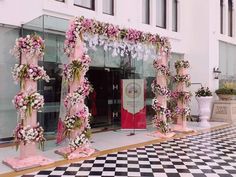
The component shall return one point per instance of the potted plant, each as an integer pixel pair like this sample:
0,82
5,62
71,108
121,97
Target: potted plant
227,92
204,99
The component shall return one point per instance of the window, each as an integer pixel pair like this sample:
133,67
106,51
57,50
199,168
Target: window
88,4
222,16
146,11
230,18
175,15
108,7
227,62
161,13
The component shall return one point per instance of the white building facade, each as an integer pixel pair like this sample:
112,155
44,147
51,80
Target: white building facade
202,31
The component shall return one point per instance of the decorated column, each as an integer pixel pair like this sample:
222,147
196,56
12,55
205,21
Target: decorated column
76,122
182,95
28,101
162,119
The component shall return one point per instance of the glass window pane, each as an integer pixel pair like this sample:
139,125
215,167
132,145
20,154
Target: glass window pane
85,3
108,7
146,11
230,18
221,17
227,62
8,115
174,15
161,13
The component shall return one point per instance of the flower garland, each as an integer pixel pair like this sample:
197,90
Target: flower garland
82,139
28,135
158,90
185,112
163,125
181,95
181,64
162,69
71,123
183,78
97,33
25,101
31,45
160,110
72,99
85,88
73,70
26,71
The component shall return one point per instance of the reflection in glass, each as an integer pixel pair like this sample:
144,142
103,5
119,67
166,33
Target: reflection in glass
146,11
175,15
161,13
108,7
89,4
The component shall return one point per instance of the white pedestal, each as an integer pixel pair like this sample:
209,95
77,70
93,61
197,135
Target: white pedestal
224,111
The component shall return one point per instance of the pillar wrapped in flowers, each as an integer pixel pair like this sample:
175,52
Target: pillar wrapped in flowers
76,122
28,132
162,119
182,95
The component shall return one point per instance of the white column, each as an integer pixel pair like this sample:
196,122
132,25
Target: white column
98,7
169,15
153,14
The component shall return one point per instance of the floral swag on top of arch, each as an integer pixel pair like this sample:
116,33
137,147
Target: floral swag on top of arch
121,41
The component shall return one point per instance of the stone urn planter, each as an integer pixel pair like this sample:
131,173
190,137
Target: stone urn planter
204,105
226,97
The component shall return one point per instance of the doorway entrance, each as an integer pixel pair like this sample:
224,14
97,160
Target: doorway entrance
104,101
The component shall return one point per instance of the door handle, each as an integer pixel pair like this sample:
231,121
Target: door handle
115,87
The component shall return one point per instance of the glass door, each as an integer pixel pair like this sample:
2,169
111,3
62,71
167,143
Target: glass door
98,99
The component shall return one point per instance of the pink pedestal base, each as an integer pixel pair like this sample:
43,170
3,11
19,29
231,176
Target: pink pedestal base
30,162
161,135
180,128
78,153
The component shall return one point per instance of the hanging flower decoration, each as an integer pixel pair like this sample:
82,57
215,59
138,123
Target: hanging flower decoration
184,96
183,78
163,124
28,135
26,71
158,90
30,45
26,101
181,64
97,33
73,70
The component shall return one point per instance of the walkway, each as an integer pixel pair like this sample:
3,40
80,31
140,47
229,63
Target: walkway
207,154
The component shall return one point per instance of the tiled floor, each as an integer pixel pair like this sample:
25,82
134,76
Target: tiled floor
211,154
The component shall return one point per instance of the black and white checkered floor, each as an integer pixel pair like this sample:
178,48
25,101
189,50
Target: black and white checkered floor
209,154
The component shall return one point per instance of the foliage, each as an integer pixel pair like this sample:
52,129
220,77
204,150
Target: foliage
203,92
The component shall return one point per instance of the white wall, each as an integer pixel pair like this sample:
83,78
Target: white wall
17,12
197,37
